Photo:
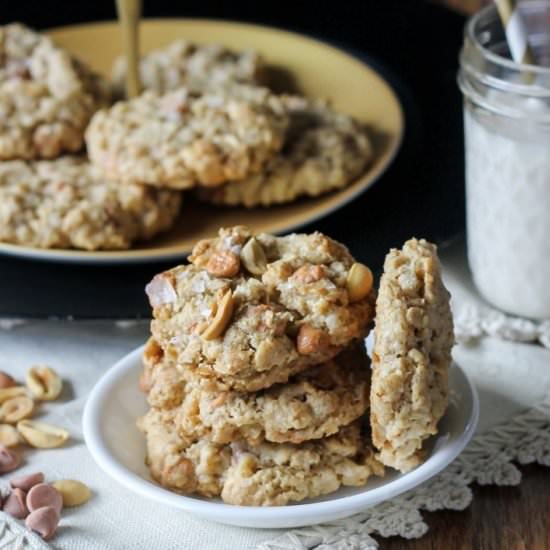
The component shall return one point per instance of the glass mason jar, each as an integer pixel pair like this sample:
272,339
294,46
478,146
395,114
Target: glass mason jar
507,153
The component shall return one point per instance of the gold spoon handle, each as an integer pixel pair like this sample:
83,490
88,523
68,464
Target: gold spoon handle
129,12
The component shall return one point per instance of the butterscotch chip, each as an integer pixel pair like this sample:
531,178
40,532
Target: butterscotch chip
186,138
66,203
262,342
9,460
46,96
267,474
43,494
314,404
43,521
198,67
323,151
14,504
6,381
412,353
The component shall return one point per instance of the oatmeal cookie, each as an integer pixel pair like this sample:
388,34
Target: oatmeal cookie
268,474
251,311
185,138
314,404
412,353
194,66
46,97
324,150
65,203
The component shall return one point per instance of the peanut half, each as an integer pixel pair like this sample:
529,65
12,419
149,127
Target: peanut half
15,409
221,318
44,383
9,436
74,492
359,282
10,393
253,257
41,435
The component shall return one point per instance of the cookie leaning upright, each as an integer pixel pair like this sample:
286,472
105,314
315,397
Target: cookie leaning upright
412,352
185,137
251,311
46,97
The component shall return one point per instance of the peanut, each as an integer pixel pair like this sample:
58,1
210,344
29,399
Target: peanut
15,506
221,319
43,494
223,263
41,435
253,257
359,282
44,383
74,492
10,393
311,340
9,436
15,409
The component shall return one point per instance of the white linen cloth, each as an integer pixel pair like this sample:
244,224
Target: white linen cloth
512,378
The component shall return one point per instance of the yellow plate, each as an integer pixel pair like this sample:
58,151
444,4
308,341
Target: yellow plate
318,69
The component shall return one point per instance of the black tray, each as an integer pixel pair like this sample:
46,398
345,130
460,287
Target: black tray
413,44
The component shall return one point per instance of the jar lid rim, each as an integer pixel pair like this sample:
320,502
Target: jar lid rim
470,34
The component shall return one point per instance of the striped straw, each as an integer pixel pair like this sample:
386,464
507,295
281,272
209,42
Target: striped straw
516,33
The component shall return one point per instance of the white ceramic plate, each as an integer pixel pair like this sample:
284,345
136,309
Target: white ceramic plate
119,449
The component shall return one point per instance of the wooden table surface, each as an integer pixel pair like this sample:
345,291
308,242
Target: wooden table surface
499,518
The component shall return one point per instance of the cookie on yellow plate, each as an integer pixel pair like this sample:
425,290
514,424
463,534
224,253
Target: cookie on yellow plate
186,138
67,203
324,150
46,96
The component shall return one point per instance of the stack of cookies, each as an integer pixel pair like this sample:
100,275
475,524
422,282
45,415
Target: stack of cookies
257,378
256,373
